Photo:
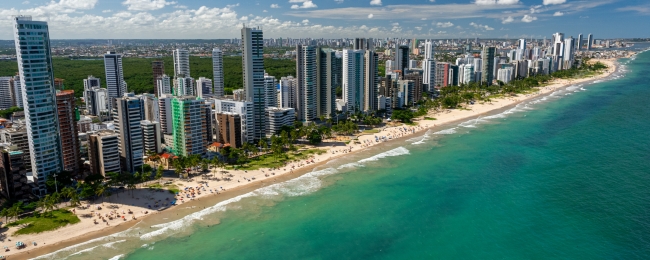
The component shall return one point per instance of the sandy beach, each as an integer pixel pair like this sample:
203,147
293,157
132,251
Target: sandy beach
123,210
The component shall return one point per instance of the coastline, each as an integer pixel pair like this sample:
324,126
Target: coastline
87,231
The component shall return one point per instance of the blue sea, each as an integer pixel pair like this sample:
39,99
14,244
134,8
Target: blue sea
564,176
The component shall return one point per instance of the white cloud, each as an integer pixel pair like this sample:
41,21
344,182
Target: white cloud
444,25
370,16
275,6
305,4
418,28
640,9
528,18
146,5
554,2
432,1
375,2
26,2
480,26
305,21
496,2
107,11
180,7
264,11
508,19
558,14
231,6
338,1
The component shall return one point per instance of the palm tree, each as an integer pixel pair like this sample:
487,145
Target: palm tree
101,191
131,185
74,199
15,210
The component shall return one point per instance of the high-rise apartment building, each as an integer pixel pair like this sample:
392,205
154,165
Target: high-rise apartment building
92,82
65,104
164,85
6,100
244,109
579,42
158,67
569,53
181,63
306,76
184,86
488,64
558,45
253,72
429,67
17,136
127,124
34,58
271,90
190,127
590,41
96,101
165,110
328,74
114,77
17,94
371,81
353,79
401,57
149,107
151,136
217,72
204,88
229,129
288,86
103,152
521,44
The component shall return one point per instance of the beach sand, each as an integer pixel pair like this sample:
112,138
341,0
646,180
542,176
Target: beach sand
212,191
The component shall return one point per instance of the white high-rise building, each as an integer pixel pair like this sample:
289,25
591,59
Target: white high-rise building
389,67
558,45
181,63
6,92
34,58
204,88
184,86
165,110
217,72
92,82
288,87
164,85
429,67
353,79
468,74
521,44
96,101
271,88
242,108
306,76
253,72
505,75
569,53
114,77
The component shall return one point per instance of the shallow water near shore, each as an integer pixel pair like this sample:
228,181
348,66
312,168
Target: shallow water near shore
560,176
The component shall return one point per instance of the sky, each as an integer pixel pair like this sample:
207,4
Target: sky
434,19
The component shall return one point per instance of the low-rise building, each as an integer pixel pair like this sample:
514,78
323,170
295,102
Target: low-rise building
277,118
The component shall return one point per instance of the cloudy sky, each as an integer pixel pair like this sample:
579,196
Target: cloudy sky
218,19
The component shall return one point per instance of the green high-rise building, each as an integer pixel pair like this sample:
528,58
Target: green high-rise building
190,128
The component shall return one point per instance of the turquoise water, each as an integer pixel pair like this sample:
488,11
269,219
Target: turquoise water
564,177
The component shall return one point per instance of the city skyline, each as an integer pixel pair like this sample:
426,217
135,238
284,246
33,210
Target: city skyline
153,19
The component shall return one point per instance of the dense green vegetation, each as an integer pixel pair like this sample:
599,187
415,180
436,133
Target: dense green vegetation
138,73
41,223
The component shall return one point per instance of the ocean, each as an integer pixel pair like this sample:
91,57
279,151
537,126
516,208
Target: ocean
565,176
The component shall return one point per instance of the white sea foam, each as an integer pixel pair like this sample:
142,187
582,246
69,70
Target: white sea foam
110,245
84,251
572,87
395,152
423,138
350,165
446,131
117,257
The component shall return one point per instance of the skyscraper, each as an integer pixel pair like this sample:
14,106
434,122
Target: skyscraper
217,72
488,64
190,130
521,44
184,86
328,74
158,67
5,92
429,67
17,94
579,43
371,81
306,76
181,63
569,53
253,72
558,44
204,88
127,124
590,41
32,40
353,79
114,77
401,58
271,89
164,85
103,152
68,130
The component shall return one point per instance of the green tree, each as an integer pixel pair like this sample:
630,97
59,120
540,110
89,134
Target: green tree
159,173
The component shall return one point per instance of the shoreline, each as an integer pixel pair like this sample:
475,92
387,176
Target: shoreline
86,232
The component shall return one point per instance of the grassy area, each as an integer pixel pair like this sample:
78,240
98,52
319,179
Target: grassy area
269,160
429,118
170,187
56,219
